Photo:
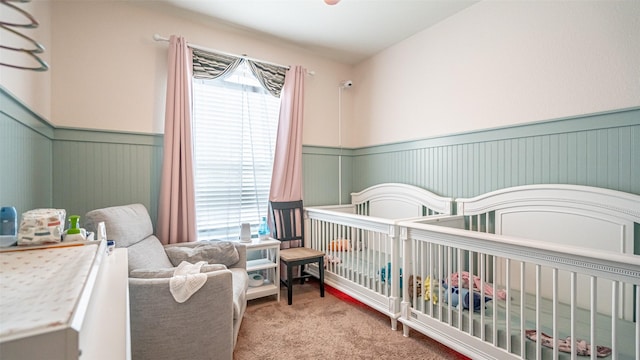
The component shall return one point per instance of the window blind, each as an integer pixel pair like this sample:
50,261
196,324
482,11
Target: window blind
235,124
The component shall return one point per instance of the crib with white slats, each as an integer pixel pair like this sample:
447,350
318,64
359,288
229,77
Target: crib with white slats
361,241
535,272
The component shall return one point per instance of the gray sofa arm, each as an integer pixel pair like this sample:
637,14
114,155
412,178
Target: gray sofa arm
199,328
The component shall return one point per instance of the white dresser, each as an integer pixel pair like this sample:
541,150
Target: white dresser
64,303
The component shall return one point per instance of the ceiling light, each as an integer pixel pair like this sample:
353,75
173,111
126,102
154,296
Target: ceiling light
331,2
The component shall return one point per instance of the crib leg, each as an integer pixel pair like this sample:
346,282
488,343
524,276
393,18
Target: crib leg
394,324
405,330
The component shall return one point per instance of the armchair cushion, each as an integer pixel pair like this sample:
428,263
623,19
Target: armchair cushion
127,225
147,254
222,252
168,272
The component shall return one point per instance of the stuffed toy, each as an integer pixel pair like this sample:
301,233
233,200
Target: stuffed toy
430,290
340,245
385,274
330,259
461,296
467,279
418,283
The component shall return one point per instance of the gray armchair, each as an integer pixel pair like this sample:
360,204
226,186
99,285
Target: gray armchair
203,327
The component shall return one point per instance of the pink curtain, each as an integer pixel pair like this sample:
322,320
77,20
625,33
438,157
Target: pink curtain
286,181
176,212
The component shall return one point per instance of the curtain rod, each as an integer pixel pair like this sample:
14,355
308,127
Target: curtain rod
157,37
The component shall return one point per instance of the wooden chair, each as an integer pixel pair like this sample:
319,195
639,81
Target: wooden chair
288,226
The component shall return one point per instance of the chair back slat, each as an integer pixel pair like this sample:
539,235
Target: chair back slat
287,219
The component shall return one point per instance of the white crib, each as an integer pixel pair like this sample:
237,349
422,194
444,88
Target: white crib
361,241
544,262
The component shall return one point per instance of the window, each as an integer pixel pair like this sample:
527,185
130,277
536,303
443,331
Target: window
235,121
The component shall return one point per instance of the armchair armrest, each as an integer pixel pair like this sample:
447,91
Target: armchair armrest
162,328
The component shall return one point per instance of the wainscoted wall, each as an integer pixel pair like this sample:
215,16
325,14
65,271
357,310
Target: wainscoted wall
76,170
598,150
25,157
320,172
96,169
80,170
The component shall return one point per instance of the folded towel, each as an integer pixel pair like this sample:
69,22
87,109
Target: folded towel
186,280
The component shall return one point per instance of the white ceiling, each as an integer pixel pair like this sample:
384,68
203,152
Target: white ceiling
348,32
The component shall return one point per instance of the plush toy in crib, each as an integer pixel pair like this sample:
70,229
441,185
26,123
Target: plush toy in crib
330,259
418,283
468,279
461,296
430,290
385,274
340,245
429,285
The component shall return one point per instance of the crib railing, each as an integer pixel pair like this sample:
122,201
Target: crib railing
362,256
504,312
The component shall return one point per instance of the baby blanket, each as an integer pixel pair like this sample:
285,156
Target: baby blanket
186,280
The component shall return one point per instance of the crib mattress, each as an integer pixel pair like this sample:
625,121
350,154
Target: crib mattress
625,329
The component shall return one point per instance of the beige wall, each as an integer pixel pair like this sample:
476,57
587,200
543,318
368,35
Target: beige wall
33,88
110,74
494,64
500,63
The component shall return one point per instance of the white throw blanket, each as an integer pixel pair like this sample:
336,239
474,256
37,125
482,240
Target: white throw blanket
186,280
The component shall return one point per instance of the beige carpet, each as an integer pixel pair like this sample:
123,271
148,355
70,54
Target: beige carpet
333,327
